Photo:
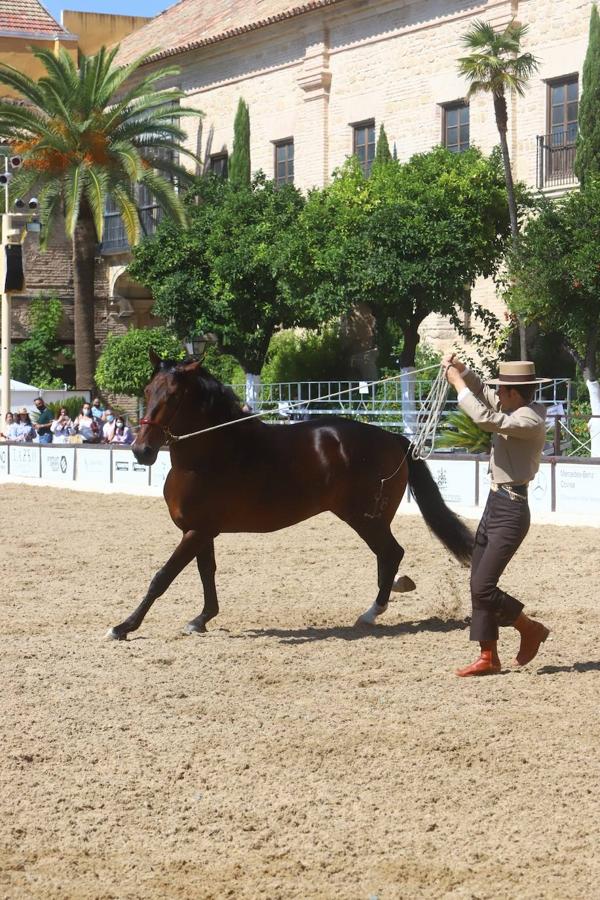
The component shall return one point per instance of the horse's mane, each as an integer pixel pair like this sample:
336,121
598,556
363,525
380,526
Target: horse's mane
215,399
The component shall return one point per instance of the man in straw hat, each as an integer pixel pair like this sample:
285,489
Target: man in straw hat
519,433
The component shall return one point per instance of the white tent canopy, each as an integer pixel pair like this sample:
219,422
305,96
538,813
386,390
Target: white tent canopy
21,394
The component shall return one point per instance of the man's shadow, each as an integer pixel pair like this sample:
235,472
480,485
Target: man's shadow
590,666
355,632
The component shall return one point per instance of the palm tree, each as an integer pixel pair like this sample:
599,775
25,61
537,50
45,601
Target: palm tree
496,66
88,132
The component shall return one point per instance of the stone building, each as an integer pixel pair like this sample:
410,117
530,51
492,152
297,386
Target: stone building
321,76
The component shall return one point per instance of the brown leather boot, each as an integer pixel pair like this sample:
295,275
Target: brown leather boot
533,634
488,663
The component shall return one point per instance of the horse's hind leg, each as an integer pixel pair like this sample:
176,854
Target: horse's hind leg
378,536
207,568
183,554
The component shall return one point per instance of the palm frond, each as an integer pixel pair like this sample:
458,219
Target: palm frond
129,213
21,83
166,196
73,185
95,188
50,200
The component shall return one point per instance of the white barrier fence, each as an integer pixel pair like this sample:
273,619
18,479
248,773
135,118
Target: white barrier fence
563,486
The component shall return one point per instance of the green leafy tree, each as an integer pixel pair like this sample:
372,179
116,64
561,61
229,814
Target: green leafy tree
239,163
406,241
556,279
587,156
495,65
34,360
228,274
88,132
124,366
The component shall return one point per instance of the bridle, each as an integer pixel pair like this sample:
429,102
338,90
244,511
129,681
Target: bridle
171,438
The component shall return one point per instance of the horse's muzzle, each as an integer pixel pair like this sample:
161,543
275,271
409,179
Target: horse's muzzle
145,454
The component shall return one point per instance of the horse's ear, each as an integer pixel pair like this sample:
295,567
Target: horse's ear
154,359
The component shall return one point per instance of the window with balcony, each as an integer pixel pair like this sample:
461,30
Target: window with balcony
218,164
556,148
363,144
456,126
284,162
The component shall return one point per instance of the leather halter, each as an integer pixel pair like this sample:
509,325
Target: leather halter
171,438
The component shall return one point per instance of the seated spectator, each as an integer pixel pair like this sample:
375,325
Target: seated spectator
43,422
123,434
21,430
8,421
87,425
98,410
108,429
62,427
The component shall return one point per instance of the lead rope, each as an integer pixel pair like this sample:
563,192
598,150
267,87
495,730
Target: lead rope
174,438
428,419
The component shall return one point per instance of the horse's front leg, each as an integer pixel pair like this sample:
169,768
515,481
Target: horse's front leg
207,568
184,553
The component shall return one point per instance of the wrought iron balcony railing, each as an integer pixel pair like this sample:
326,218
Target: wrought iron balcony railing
556,157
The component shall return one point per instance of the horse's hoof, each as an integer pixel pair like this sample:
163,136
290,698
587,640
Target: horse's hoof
403,585
191,628
113,635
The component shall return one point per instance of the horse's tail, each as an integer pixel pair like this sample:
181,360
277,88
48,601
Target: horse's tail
451,531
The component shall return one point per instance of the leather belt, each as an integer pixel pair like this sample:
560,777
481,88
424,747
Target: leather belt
514,491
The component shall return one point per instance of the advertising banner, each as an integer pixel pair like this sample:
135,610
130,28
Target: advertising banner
455,479
127,471
577,489
160,469
92,466
58,463
24,461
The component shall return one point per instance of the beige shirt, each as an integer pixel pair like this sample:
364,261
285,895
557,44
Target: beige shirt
519,437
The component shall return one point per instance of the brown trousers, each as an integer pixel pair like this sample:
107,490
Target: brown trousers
502,528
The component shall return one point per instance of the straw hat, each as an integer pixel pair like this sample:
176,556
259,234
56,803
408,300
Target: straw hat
23,411
521,372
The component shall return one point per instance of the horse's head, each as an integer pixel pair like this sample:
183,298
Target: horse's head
164,395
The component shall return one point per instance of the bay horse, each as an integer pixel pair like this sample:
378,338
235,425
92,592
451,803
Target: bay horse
258,477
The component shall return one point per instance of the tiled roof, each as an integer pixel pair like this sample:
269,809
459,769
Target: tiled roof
195,23
28,16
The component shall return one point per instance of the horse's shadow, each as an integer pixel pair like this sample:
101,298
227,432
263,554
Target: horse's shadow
354,632
591,666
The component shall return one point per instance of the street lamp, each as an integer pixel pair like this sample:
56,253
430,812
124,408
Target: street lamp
196,346
11,264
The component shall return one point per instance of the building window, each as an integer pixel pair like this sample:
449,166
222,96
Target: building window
456,127
563,103
284,162
218,164
363,144
556,149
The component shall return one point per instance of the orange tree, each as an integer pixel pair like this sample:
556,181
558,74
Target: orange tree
88,132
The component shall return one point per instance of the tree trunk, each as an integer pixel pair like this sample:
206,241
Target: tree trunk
501,112
84,252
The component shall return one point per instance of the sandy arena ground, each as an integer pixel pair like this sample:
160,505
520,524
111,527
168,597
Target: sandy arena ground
287,754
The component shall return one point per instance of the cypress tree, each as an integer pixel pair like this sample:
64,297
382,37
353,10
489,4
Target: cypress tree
382,150
239,164
587,158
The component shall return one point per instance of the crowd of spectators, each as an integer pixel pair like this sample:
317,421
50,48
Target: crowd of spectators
93,425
